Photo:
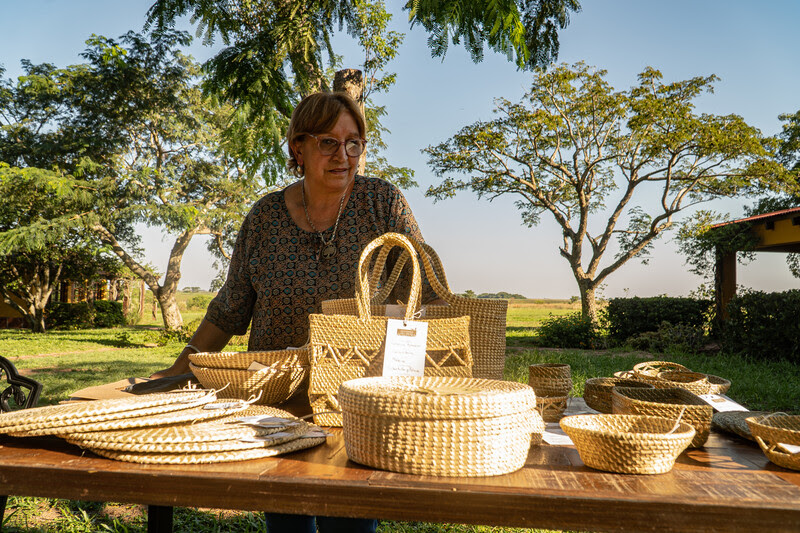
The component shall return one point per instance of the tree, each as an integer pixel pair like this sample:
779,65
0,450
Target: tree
587,154
41,242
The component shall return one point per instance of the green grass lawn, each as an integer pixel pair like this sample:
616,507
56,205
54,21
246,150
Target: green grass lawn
65,361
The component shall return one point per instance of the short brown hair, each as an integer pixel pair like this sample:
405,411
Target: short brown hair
318,113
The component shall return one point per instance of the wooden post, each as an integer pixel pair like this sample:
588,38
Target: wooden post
351,81
141,298
724,283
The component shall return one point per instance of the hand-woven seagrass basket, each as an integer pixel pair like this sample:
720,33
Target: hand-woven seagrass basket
694,382
666,403
774,430
285,373
550,379
628,444
597,391
439,426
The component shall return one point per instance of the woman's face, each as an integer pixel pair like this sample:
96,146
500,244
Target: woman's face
336,171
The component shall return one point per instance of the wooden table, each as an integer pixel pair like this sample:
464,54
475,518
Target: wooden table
727,486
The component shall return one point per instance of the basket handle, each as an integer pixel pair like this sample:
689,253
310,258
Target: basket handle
363,279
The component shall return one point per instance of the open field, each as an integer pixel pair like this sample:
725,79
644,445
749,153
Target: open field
65,361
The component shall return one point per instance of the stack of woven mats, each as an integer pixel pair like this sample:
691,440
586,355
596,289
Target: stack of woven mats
181,427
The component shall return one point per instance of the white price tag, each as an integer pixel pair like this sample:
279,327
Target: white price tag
722,403
405,348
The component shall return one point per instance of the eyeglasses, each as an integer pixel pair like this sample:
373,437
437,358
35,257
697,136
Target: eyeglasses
330,145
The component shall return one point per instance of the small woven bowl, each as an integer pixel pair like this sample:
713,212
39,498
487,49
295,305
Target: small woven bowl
653,368
771,431
694,382
551,407
243,360
550,379
628,444
597,391
272,385
666,403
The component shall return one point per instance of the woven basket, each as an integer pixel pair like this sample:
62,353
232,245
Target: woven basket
694,382
551,407
272,385
243,360
666,403
550,379
653,368
346,347
771,431
628,444
487,325
439,426
597,391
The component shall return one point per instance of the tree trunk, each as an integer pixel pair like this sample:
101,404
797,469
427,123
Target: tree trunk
588,302
126,297
141,298
351,81
170,313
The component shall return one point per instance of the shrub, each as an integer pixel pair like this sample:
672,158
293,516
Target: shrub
198,302
569,331
61,315
108,314
680,338
763,325
628,317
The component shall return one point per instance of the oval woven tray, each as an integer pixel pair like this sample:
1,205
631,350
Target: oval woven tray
597,391
272,385
653,368
627,444
666,403
243,360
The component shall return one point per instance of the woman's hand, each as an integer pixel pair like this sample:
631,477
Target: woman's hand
207,338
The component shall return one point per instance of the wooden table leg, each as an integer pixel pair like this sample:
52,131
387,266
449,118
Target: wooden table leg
159,519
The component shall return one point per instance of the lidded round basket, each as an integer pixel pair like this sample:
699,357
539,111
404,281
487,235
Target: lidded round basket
439,426
628,444
597,391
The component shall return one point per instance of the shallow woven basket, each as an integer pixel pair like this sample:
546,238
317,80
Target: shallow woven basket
551,407
243,360
597,391
666,403
694,382
653,368
550,379
771,431
439,426
628,444
271,385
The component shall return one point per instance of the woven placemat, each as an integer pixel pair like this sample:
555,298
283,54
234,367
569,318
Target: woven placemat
734,422
80,413
299,443
227,427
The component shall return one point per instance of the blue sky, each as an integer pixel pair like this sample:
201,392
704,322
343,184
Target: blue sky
751,46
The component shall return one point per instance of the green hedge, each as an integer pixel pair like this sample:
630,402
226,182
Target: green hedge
84,315
627,317
764,325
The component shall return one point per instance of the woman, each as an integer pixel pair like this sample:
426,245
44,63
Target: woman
300,246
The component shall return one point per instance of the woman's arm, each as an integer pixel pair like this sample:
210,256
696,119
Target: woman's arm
207,338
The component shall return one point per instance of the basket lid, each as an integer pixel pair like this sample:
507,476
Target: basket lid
433,397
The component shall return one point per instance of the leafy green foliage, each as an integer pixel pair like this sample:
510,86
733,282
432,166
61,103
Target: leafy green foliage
590,156
628,317
85,315
570,331
763,325
670,338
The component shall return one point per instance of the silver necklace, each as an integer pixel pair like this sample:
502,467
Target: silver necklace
327,250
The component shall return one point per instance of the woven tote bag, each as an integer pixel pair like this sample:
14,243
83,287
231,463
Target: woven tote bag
349,346
487,326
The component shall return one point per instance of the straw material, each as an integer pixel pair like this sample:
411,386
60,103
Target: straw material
550,379
227,427
628,444
271,385
346,347
653,368
770,431
439,426
212,457
551,407
597,391
666,403
78,413
487,325
735,422
297,357
694,382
